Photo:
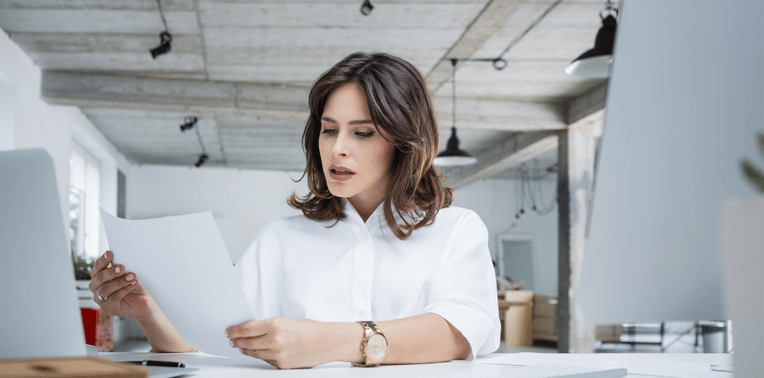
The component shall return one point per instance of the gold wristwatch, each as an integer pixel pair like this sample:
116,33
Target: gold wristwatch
373,345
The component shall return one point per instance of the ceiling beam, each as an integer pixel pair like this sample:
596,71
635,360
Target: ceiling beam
587,104
203,97
502,115
90,90
501,156
486,24
586,110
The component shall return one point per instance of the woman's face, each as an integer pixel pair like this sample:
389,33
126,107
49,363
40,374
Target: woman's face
356,159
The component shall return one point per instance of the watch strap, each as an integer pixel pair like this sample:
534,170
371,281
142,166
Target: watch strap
369,329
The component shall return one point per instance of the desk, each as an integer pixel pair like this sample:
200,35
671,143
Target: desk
220,367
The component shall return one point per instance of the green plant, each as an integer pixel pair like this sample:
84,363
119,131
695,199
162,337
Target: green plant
755,176
82,267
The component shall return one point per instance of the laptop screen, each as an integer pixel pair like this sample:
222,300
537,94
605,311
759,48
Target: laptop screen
38,300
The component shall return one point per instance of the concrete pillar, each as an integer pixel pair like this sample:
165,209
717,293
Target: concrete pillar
574,181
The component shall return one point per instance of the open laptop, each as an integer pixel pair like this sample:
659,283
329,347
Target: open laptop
39,307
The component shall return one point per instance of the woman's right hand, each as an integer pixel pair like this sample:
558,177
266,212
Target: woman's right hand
118,291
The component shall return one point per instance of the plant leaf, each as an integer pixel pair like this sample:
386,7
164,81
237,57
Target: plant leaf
753,175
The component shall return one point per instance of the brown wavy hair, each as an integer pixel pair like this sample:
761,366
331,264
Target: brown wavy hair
399,104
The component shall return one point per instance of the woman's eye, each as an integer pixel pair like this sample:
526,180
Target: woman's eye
329,131
364,134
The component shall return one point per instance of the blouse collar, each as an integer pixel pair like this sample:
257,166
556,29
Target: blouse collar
371,223
376,224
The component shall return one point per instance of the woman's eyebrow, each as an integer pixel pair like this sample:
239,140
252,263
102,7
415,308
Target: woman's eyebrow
358,122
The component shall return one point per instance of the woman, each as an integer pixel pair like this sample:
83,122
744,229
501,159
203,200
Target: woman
377,243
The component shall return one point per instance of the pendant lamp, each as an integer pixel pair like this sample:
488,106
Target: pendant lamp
453,156
595,63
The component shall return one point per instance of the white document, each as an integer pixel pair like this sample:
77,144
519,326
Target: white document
182,262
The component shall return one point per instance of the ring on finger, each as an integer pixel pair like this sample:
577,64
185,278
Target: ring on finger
102,299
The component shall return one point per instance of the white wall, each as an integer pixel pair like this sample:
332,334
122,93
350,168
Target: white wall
7,111
496,204
32,123
26,121
242,201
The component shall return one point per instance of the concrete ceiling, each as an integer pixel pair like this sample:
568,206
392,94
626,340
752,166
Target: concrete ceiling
245,68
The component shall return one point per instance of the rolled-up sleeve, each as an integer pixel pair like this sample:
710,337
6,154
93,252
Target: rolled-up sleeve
463,288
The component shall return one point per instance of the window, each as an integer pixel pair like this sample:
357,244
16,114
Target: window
84,190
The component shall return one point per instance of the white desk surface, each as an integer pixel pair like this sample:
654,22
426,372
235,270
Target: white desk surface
222,367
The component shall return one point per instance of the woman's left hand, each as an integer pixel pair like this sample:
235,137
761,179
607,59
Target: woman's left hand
283,343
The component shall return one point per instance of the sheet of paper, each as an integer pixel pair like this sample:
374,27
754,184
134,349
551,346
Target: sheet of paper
634,364
182,262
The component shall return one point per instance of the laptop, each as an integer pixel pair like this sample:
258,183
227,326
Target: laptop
39,307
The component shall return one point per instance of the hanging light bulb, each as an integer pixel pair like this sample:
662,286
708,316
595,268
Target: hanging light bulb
595,63
453,156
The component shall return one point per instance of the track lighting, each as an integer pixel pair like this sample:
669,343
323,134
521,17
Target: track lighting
202,159
188,123
165,38
366,8
164,47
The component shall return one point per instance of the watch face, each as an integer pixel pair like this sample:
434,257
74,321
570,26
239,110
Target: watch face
376,347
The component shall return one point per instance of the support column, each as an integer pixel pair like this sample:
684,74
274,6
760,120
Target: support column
574,181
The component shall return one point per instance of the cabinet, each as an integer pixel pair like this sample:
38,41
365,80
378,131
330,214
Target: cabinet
544,318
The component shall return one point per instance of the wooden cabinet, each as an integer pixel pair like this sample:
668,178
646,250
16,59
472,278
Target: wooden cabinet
544,318
609,333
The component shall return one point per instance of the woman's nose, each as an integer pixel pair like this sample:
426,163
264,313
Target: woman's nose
340,147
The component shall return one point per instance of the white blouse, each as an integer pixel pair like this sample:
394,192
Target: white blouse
298,268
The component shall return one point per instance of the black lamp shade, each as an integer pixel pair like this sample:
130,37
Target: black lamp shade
453,156
595,63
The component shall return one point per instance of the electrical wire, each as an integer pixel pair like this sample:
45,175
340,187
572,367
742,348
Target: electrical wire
161,14
526,31
199,135
499,63
546,209
530,185
525,187
454,62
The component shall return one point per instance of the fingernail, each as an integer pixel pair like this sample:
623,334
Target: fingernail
230,342
130,277
225,333
116,270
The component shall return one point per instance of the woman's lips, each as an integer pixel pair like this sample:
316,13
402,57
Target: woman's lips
340,173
